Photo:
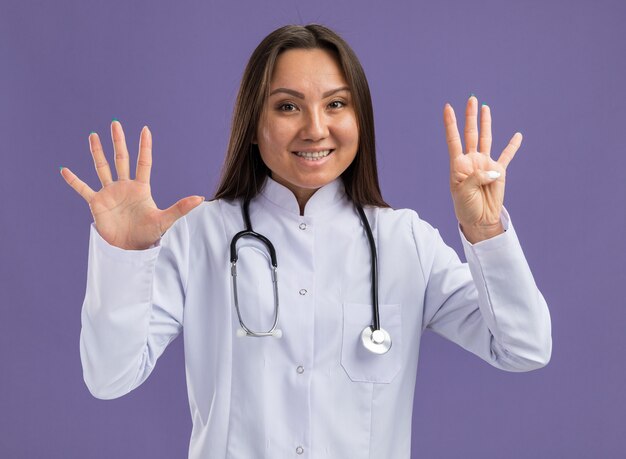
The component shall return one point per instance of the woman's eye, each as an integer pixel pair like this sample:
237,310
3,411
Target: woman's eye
287,107
337,104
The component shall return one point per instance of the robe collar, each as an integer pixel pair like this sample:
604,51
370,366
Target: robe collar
323,200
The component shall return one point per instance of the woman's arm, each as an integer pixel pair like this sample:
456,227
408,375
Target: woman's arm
135,286
491,305
133,309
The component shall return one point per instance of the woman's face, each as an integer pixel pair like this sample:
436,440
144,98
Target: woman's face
307,134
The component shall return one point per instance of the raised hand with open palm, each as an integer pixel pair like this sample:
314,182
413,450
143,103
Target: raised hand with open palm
124,212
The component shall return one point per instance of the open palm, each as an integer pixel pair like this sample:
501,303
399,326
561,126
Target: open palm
476,180
124,212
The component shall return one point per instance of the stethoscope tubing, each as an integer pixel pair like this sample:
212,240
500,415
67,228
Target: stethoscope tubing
374,338
370,237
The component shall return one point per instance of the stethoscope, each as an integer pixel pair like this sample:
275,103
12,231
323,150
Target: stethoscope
374,338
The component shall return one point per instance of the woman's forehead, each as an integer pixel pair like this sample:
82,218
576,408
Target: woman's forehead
307,70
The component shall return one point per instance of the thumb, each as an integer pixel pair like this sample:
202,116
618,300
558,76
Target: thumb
480,178
180,209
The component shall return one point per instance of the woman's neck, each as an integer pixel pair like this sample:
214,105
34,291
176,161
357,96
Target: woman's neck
302,194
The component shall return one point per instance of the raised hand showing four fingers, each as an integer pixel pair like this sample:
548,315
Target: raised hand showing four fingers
124,212
476,180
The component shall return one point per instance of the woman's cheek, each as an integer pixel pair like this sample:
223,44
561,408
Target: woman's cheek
348,129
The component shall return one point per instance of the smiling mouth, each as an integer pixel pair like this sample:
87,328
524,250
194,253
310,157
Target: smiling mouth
313,155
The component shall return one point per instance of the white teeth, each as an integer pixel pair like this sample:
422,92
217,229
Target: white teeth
314,156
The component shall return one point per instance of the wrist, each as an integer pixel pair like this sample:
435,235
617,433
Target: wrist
478,233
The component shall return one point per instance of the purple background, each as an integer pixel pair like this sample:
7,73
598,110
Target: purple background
553,70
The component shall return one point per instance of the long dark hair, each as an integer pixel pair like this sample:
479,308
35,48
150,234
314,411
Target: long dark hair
244,172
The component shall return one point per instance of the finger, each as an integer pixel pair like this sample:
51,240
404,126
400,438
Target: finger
81,187
455,148
121,152
181,208
509,152
144,160
484,143
471,126
99,160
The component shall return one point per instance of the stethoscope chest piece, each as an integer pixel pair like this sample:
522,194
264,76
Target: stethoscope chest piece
376,341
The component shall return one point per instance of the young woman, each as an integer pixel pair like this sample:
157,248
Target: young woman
302,334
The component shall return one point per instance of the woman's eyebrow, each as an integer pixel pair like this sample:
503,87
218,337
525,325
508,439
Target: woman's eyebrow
299,95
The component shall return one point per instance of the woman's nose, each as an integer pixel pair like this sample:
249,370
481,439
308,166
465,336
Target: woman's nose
315,126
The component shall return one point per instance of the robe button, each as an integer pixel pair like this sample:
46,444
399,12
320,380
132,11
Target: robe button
299,450
302,291
302,226
300,369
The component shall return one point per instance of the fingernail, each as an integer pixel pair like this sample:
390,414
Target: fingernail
493,174
472,95
485,105
115,119
60,168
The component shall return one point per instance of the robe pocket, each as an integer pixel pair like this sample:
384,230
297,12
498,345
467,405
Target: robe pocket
360,364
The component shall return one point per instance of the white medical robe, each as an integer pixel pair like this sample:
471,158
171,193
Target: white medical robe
315,392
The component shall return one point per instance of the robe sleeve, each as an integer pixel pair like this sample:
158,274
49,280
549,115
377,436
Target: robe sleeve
490,305
133,308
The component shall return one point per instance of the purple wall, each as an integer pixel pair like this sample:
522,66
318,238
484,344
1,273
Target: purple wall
553,70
